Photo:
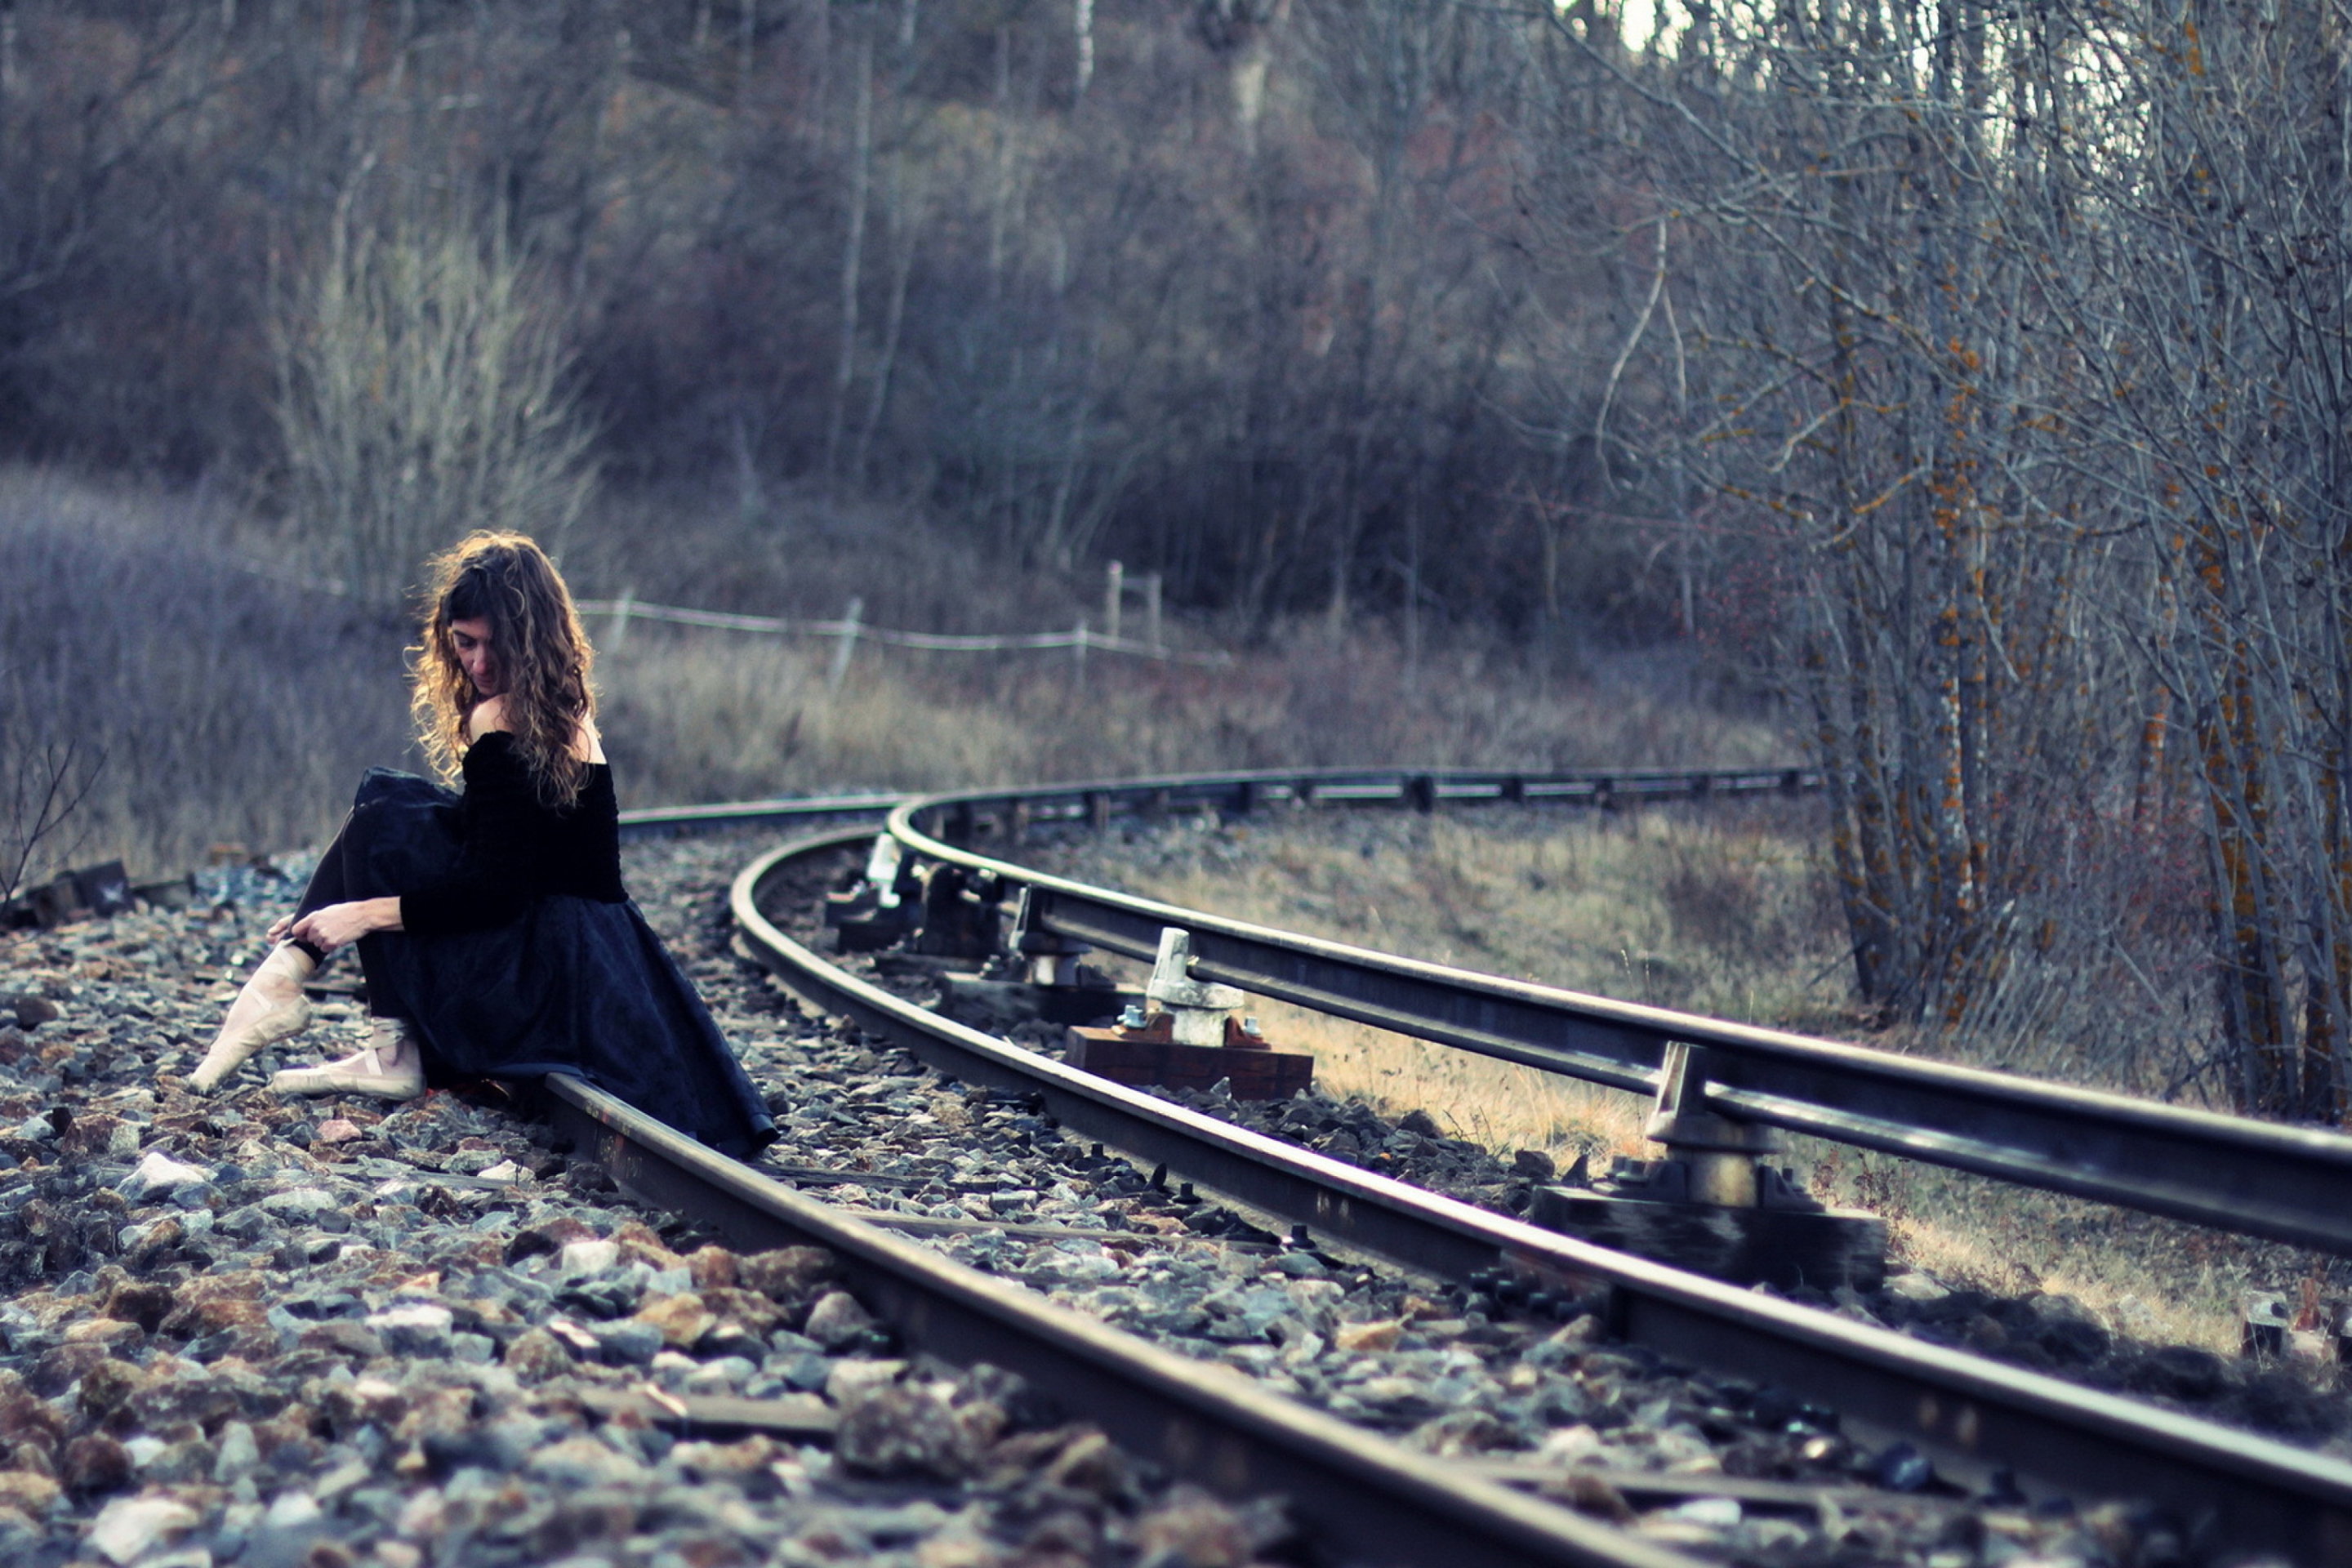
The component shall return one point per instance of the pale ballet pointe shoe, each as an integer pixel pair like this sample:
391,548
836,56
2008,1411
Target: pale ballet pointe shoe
391,1066
270,1008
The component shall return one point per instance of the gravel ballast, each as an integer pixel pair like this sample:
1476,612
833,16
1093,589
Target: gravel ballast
320,1332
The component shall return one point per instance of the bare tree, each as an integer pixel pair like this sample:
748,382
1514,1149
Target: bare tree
422,392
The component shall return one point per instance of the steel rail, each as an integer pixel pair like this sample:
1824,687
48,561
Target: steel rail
663,822
2285,1184
1972,1415
1365,1499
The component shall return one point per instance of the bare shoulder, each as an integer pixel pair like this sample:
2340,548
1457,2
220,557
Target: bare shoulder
489,714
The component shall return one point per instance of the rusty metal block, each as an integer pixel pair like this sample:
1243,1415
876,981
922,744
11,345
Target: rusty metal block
1146,1057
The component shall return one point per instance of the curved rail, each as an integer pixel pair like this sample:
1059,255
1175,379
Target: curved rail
1974,1415
1369,1498
2285,1184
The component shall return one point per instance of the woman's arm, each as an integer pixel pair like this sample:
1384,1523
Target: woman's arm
330,926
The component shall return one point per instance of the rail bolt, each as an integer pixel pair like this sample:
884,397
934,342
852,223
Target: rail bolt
1049,957
1196,1009
2262,1330
1719,1153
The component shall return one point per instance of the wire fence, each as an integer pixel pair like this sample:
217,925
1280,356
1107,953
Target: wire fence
852,628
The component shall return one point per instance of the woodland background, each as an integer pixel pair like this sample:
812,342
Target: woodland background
1956,389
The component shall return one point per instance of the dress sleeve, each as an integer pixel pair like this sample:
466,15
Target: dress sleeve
490,884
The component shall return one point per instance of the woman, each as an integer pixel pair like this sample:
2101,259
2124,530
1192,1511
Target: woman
491,925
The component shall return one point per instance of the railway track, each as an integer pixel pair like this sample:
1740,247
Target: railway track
1987,1426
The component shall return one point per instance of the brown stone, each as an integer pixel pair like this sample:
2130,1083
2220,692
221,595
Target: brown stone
29,1423
89,1137
1024,1451
534,1355
134,1302
344,1337
210,1315
108,1386
363,1401
440,1412
28,1492
58,1369
286,1439
1090,1464
1066,1535
583,1518
1192,1528
1378,1336
713,1268
247,1284
747,1310
787,1274
736,1461
159,1238
95,1463
337,1130
682,1319
107,1331
640,1244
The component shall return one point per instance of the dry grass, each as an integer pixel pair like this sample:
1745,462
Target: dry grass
233,706
1723,912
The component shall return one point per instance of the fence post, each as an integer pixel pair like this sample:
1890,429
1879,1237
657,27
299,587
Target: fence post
1079,653
1152,611
620,632
848,645
1114,597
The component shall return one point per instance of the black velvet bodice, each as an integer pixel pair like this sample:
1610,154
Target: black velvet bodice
517,850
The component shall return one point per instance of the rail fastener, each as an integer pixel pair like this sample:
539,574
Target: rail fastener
1369,1500
1977,1419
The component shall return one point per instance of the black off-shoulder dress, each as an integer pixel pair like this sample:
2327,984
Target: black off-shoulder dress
524,954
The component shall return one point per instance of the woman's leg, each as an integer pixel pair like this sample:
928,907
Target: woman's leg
330,884
339,878
272,1008
391,1066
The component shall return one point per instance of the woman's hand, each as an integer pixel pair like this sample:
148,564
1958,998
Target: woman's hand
331,927
280,928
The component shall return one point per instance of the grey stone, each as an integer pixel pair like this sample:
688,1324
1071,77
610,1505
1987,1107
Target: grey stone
627,1342
283,1538
837,1319
301,1204
413,1328
237,1452
584,1462
129,1527
159,1175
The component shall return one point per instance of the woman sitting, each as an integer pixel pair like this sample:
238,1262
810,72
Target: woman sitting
492,928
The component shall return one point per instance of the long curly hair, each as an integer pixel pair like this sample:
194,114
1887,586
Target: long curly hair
542,653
